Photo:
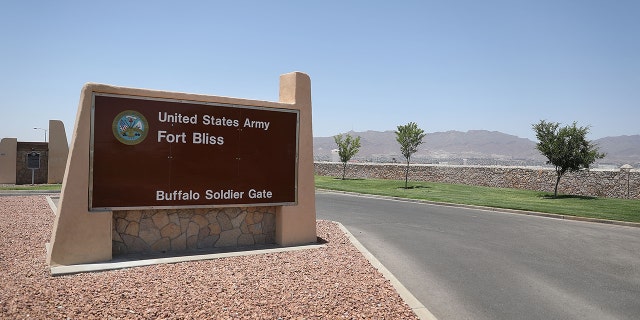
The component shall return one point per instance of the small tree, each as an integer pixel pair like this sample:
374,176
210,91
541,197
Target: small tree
347,148
409,137
566,148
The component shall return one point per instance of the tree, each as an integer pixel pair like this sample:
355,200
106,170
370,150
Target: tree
566,148
347,148
409,137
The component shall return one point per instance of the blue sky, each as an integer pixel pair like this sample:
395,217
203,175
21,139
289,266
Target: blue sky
447,65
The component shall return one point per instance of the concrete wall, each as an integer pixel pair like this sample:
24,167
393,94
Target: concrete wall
53,158
612,184
8,150
58,151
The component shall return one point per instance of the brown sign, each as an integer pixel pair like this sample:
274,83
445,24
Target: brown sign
156,153
33,160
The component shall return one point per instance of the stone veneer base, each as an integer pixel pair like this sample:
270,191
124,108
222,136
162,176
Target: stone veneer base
177,230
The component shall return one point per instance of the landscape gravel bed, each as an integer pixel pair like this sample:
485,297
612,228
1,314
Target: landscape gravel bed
332,282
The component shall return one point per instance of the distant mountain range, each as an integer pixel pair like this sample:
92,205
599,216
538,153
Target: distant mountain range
473,147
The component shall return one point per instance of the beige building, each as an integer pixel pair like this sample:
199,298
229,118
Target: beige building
52,158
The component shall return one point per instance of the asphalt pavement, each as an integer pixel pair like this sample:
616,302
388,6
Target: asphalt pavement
475,264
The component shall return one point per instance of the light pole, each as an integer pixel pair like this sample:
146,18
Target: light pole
45,132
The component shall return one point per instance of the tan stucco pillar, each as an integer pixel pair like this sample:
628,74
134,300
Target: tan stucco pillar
79,236
297,224
58,151
8,158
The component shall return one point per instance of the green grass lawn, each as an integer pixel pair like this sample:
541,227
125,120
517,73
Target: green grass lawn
52,187
601,208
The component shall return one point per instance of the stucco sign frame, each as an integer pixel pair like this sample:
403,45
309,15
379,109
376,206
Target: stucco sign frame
81,235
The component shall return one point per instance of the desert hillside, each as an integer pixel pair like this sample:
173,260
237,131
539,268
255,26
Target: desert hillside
473,147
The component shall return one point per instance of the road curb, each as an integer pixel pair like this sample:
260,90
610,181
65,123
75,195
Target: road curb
503,210
418,308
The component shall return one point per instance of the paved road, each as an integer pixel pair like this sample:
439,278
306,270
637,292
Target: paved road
475,264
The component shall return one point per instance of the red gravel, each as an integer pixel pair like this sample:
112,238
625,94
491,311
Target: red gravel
334,282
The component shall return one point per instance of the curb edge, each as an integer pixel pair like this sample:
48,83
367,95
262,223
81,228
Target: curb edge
416,306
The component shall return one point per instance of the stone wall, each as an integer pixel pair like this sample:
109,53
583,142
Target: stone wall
611,184
166,230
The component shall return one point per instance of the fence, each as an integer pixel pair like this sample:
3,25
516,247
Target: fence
595,183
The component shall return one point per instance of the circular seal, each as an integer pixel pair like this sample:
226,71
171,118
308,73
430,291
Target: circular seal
130,127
